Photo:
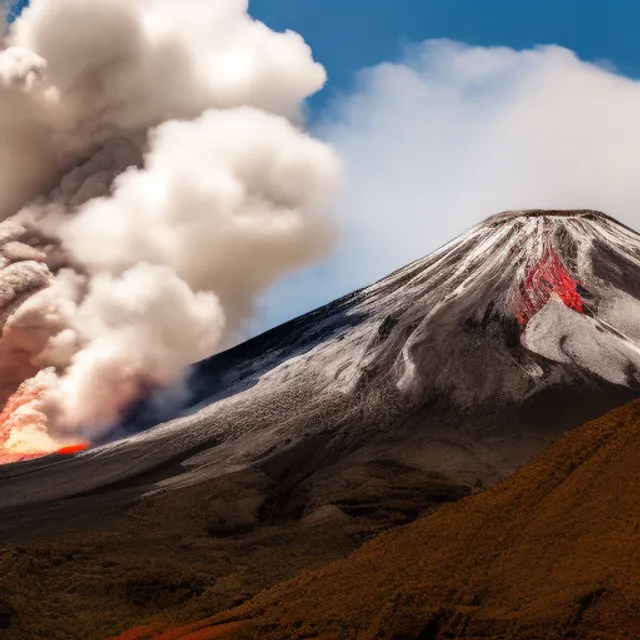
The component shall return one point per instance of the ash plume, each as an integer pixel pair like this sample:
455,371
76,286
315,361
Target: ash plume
153,161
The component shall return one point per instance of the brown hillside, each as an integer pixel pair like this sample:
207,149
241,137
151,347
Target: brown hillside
553,552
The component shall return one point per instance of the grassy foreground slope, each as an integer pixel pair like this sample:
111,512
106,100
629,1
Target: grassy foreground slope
553,552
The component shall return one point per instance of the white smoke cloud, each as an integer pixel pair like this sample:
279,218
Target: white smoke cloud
133,330
452,133
28,156
232,229
131,64
78,72
158,152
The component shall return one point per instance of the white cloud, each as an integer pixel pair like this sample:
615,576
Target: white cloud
451,134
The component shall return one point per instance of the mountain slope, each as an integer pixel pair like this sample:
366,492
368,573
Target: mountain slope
553,552
463,364
291,449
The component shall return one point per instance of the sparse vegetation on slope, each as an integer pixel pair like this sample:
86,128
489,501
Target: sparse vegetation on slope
553,552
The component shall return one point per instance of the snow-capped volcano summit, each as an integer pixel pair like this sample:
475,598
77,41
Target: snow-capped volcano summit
457,368
561,285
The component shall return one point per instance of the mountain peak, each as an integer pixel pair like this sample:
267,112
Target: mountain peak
589,214
457,361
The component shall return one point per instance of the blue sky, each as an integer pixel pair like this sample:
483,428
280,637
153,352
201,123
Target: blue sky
16,7
346,35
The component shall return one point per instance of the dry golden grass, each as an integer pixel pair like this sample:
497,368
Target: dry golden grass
552,553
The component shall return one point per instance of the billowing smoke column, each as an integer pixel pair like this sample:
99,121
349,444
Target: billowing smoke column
153,153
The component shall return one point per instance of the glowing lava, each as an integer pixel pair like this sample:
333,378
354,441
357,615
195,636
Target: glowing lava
547,277
23,427
73,448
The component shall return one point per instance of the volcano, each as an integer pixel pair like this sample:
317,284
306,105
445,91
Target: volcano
431,384
465,363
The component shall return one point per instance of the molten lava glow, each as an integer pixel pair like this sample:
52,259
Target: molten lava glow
72,448
547,277
23,427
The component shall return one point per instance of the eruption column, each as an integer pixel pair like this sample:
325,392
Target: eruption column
155,152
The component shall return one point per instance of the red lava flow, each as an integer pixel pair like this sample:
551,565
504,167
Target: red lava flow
545,278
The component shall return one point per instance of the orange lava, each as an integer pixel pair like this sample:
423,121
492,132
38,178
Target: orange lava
73,448
18,416
7,457
23,427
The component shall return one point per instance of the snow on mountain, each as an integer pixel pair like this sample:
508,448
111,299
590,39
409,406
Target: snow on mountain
460,366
